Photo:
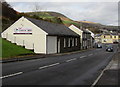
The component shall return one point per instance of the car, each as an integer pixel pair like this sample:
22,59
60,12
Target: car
99,45
115,42
109,48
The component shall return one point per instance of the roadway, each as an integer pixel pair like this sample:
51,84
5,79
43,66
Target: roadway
80,68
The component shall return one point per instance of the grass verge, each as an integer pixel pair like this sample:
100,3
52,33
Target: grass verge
10,50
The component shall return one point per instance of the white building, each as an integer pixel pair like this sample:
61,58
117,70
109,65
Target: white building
85,36
92,37
41,36
92,34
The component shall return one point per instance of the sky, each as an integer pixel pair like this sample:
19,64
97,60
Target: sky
90,10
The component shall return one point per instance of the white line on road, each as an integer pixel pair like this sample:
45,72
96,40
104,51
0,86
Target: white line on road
90,54
54,64
82,56
11,75
70,60
49,65
43,67
97,79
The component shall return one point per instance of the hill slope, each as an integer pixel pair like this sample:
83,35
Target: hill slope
10,15
60,18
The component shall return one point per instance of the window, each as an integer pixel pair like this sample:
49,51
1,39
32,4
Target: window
85,35
68,42
104,40
64,42
114,36
72,41
104,36
75,41
110,36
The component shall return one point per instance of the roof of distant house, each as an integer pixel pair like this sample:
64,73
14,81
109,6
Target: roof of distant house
84,30
114,34
98,35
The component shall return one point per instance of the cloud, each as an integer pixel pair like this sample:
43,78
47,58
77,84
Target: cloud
100,12
62,0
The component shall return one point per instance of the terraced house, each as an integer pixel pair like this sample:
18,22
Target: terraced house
107,38
85,36
41,36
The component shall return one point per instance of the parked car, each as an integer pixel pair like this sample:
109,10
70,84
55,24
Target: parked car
115,42
109,48
99,45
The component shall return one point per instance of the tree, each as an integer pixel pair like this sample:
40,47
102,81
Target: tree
36,7
5,3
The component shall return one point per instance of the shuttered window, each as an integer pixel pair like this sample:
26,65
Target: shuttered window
72,41
76,42
64,42
68,42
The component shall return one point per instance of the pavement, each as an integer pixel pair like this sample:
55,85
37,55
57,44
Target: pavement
81,68
111,73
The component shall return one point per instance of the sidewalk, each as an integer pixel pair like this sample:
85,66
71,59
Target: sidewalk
111,72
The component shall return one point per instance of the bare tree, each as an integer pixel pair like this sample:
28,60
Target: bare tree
36,7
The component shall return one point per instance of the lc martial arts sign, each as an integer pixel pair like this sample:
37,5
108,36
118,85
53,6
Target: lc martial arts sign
22,31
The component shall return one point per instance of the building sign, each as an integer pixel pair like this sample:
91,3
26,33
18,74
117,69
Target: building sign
22,31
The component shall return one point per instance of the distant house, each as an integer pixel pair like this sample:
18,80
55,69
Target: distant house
107,38
41,36
119,37
85,36
97,38
92,39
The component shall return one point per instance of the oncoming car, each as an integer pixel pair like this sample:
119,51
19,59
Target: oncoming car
99,45
109,48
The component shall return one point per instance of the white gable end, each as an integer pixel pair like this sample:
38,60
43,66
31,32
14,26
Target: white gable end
23,32
76,30
24,23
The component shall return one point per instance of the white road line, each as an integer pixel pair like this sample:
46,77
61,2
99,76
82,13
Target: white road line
70,60
49,65
97,79
82,56
43,67
54,64
11,75
90,54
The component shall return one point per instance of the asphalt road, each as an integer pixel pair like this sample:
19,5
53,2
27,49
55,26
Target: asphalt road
74,69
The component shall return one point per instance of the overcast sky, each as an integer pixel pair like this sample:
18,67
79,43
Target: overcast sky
101,12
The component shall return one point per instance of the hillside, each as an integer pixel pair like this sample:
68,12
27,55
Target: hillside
60,18
9,16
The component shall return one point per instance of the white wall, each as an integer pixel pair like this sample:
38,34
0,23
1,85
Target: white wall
40,43
51,44
78,31
36,40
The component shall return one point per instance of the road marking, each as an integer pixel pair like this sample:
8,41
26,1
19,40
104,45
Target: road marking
90,54
54,64
11,75
97,79
43,67
82,56
70,60
49,65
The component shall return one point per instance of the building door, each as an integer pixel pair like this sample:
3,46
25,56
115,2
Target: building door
58,45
